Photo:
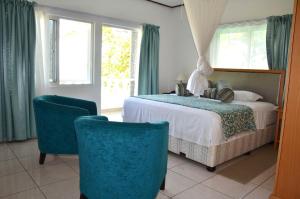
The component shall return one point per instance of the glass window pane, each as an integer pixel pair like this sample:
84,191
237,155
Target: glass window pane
233,50
240,46
258,50
74,52
117,69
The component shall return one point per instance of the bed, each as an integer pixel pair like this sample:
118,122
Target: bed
198,133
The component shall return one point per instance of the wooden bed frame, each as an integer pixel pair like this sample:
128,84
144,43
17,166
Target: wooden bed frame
280,73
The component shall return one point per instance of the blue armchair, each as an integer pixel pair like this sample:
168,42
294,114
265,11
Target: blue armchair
121,160
54,116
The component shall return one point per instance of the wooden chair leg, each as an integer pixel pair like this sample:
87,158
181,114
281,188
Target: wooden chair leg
83,196
163,184
42,158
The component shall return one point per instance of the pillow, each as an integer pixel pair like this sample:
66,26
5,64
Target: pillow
180,89
207,93
213,94
225,92
210,93
246,96
223,84
210,84
225,95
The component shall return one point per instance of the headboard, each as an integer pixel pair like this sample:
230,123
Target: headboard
267,83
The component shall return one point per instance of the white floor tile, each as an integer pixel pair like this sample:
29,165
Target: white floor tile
10,167
259,193
161,196
28,194
6,153
74,164
59,179
200,192
51,174
269,183
176,183
175,160
67,189
15,183
229,187
193,171
26,148
32,162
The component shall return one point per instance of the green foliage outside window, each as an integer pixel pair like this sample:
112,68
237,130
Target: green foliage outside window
116,51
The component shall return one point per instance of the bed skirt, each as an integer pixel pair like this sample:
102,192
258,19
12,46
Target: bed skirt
214,155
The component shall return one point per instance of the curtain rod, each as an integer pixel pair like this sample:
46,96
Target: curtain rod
260,20
94,17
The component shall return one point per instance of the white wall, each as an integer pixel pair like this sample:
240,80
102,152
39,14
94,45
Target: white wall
136,11
236,10
241,10
177,50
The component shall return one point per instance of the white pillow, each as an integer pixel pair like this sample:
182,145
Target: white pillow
246,96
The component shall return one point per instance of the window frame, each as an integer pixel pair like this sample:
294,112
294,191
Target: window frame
56,81
215,44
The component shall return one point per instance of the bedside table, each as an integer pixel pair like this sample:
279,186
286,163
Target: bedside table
279,112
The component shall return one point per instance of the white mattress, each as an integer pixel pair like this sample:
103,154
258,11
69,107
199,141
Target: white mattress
191,124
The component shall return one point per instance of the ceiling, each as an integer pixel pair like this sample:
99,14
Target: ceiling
169,3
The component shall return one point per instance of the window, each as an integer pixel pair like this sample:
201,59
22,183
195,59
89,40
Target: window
240,46
70,51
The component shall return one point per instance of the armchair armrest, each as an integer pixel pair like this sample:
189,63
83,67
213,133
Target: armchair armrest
95,117
60,109
85,104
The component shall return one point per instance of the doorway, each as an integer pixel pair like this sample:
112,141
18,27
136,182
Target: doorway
118,68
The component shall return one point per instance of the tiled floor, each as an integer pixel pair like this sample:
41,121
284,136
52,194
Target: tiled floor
21,177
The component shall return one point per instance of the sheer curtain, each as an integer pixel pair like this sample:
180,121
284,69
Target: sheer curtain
240,45
204,17
41,58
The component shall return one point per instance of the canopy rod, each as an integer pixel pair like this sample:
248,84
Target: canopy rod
165,5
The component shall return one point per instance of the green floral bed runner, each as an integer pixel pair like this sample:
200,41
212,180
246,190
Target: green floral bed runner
235,118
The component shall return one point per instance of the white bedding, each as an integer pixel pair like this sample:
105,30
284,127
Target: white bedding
194,125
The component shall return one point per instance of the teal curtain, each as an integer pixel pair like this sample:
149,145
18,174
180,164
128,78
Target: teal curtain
149,61
17,50
278,40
